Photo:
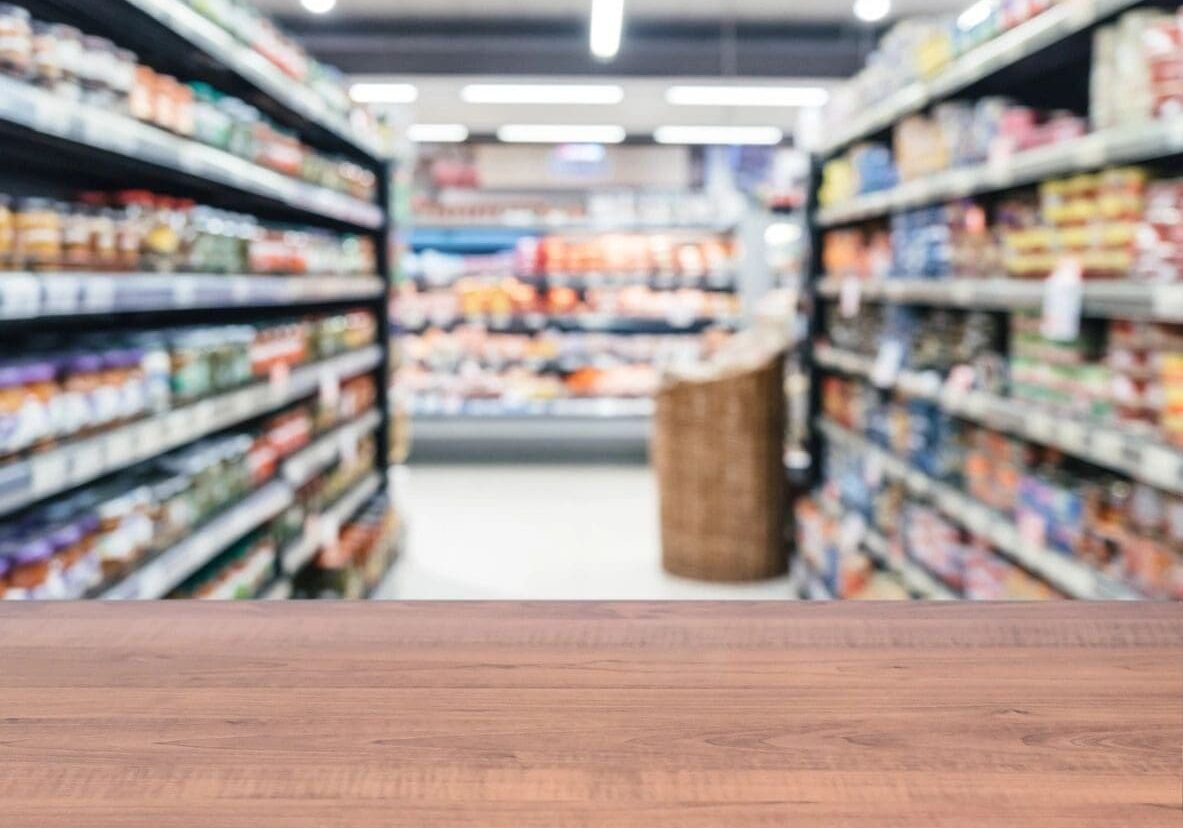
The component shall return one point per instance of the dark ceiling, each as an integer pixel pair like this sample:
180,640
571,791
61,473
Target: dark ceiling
553,47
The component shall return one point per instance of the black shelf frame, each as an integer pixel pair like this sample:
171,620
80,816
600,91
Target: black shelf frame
74,147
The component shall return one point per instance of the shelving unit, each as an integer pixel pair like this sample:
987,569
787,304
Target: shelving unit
106,150
1046,31
481,424
92,132
1151,141
192,44
36,297
1063,35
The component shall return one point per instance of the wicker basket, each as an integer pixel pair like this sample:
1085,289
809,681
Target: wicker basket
719,454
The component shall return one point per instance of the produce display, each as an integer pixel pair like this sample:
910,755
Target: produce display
92,70
139,231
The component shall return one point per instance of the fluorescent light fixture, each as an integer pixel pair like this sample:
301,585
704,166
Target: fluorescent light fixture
384,93
720,136
871,11
746,96
319,6
585,94
560,134
438,133
607,28
975,15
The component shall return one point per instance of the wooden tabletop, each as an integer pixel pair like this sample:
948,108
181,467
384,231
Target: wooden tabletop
544,715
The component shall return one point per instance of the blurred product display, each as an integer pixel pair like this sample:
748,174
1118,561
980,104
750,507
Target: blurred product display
550,317
996,335
191,391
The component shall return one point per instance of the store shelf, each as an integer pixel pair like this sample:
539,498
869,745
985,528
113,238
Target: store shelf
324,451
43,295
93,128
1137,142
919,582
1071,577
916,578
538,228
162,574
591,323
278,590
1130,451
219,45
1117,299
82,461
716,282
492,409
326,527
1048,28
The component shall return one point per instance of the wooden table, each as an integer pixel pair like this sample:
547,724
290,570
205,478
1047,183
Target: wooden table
544,715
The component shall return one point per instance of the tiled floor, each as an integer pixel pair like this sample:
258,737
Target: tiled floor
541,532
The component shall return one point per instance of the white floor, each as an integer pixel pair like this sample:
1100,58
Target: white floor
541,532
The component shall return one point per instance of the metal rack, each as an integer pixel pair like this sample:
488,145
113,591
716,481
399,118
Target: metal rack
1063,32
100,147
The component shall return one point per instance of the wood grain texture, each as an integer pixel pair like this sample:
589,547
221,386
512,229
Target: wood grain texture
543,715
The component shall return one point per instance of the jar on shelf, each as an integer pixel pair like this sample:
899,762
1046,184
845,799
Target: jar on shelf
135,216
160,247
7,234
71,58
46,57
42,402
104,238
141,102
96,70
38,234
12,402
123,78
74,559
31,572
191,370
82,381
16,41
156,365
165,102
77,253
244,121
183,107
211,124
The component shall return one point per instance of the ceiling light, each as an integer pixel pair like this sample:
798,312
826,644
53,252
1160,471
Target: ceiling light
607,27
438,133
384,93
542,93
975,15
872,11
746,96
319,6
559,134
721,136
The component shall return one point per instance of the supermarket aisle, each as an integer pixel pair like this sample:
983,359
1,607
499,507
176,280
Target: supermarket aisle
542,533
